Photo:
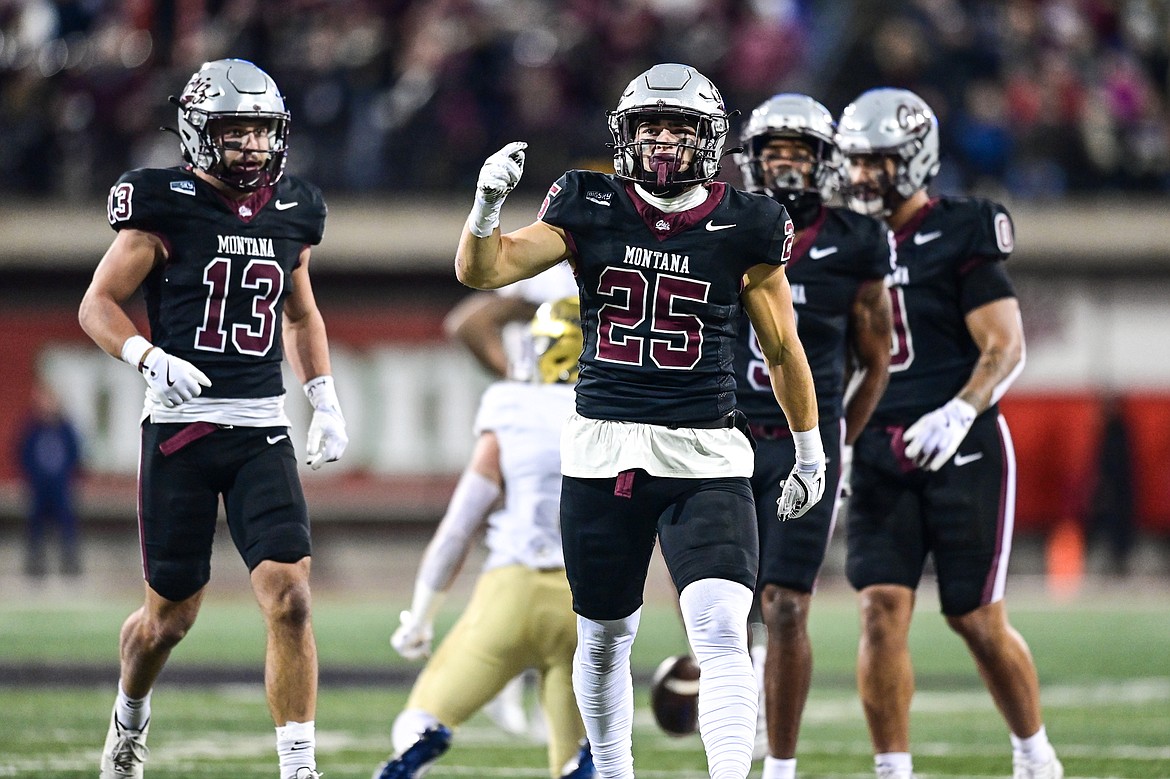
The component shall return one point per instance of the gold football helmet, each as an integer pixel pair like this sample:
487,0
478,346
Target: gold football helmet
557,341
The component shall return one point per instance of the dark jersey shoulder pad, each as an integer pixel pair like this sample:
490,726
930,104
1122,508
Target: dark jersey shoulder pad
873,234
310,216
987,281
145,198
992,233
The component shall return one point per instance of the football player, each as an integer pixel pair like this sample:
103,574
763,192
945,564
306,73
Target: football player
839,264
494,327
220,249
934,471
665,258
520,615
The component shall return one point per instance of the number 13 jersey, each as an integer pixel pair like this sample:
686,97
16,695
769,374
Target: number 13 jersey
218,299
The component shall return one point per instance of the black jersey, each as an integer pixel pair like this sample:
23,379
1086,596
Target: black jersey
660,294
832,258
949,262
218,300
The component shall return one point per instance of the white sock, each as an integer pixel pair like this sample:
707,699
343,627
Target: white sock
1034,747
131,713
605,691
715,614
408,728
775,768
296,744
897,761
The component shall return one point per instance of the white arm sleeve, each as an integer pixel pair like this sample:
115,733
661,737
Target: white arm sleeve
473,498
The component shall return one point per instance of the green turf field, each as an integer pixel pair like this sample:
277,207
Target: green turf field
1104,664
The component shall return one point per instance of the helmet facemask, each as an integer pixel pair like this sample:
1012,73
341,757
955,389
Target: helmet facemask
229,94
875,194
663,165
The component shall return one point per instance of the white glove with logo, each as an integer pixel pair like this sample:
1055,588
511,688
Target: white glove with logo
327,436
413,637
935,437
802,489
806,483
171,380
499,175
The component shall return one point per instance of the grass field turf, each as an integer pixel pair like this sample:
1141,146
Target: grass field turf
1104,665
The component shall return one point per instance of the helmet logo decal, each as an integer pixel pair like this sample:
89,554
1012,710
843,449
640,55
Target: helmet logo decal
911,119
198,91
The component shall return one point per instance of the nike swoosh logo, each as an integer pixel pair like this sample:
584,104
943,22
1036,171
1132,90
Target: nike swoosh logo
963,459
921,238
815,253
272,439
284,206
712,227
169,382
299,745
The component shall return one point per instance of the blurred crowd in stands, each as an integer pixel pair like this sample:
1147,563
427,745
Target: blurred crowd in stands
1037,98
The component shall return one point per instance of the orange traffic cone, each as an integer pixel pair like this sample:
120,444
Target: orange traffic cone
1065,559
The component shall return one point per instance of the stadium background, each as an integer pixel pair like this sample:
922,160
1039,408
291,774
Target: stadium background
1058,108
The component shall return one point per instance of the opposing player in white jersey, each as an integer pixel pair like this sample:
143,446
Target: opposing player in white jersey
520,614
494,326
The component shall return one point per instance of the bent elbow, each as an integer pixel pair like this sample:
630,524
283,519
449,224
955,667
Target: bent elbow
468,275
476,278
86,312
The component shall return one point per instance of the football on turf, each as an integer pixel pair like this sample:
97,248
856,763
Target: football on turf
674,695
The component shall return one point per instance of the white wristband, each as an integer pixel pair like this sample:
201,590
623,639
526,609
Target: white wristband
134,350
484,217
321,393
809,449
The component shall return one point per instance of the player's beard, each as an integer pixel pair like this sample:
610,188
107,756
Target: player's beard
247,178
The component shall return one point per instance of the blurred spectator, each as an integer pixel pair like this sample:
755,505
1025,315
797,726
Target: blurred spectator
1112,517
1039,98
49,453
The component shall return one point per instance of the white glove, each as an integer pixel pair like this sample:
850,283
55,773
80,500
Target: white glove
935,437
171,380
803,488
327,436
499,175
846,470
413,637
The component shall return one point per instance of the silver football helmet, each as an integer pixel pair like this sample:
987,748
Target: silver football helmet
895,123
232,89
675,91
800,118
